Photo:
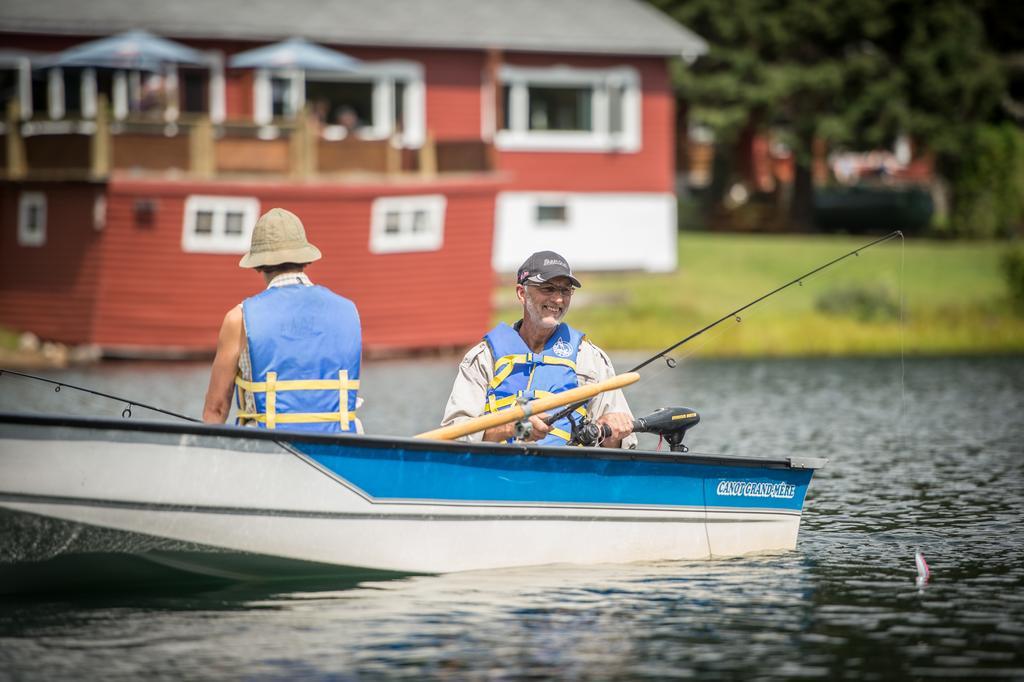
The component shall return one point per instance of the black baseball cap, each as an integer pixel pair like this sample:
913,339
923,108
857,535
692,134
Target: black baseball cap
542,266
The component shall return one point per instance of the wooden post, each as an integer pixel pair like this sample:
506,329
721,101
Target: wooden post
428,157
300,145
392,156
201,148
100,144
312,142
17,165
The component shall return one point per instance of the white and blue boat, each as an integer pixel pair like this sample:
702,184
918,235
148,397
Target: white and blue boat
366,503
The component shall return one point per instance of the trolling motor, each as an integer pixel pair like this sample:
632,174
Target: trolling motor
671,423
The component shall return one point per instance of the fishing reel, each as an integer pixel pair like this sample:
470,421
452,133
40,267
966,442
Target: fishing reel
671,423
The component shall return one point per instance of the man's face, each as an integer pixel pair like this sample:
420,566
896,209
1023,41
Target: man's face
547,303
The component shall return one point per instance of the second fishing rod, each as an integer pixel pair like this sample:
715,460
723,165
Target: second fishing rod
589,431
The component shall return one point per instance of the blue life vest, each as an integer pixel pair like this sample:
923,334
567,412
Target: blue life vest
305,346
520,373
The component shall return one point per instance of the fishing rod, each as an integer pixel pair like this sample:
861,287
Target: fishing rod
126,412
569,409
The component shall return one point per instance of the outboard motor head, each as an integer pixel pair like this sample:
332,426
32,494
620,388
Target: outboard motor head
671,423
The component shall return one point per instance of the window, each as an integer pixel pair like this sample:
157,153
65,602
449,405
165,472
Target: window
552,213
563,108
554,108
32,219
414,223
281,98
193,90
376,101
219,224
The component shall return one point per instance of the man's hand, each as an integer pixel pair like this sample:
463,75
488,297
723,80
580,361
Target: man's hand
621,425
506,431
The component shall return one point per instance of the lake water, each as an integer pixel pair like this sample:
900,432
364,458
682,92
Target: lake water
934,461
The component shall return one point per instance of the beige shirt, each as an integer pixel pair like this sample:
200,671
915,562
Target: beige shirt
469,393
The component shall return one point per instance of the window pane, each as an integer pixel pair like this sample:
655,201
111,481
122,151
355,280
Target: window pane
399,106
615,97
8,86
559,108
552,214
280,92
393,222
233,223
72,92
40,92
193,89
204,222
348,104
32,222
419,222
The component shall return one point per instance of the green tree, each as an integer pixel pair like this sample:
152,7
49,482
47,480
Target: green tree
850,72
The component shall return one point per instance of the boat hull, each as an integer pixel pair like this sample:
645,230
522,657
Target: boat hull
399,505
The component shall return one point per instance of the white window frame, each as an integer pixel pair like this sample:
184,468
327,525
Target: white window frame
217,241
552,200
384,74
26,235
518,136
434,205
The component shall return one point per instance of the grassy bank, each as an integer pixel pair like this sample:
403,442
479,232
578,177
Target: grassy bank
955,299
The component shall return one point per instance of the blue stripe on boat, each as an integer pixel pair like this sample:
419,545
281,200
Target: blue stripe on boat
400,474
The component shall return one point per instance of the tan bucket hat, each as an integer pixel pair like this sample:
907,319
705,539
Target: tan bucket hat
279,237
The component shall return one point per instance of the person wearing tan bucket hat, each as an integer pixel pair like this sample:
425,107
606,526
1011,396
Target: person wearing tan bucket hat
292,353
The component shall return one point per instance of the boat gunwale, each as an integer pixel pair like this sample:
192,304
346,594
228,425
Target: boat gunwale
287,438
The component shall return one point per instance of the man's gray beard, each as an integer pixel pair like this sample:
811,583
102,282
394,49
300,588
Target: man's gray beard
536,314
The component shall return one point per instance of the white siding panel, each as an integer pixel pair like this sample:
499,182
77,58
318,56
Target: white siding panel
602,231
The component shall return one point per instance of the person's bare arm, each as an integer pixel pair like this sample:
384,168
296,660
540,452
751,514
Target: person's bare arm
469,395
497,434
608,408
225,367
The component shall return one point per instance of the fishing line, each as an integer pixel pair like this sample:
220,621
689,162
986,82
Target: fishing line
735,314
903,323
126,412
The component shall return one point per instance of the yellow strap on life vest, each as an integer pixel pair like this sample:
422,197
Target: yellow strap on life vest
272,387
504,365
271,384
300,384
301,418
494,405
560,434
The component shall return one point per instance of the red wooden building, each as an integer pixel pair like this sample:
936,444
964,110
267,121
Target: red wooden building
471,133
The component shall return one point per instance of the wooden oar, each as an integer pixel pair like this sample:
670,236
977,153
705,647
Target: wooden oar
518,412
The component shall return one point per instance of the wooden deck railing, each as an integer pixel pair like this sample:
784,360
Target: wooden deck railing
43,149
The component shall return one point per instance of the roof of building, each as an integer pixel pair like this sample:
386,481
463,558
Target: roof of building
568,26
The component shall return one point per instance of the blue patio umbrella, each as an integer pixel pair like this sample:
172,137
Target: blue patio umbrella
294,53
132,50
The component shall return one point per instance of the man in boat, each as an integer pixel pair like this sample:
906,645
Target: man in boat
292,352
538,355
